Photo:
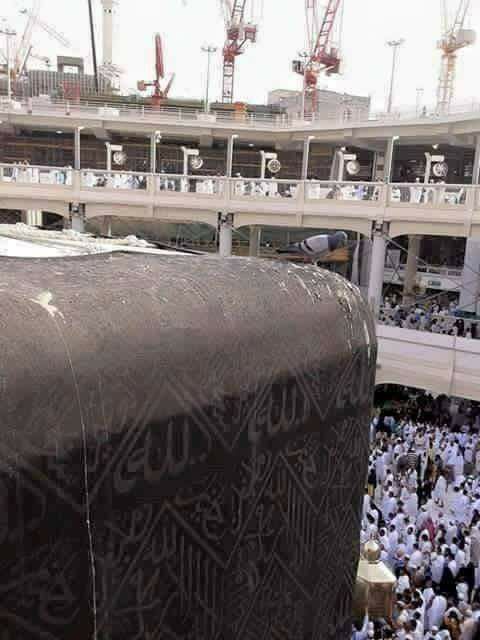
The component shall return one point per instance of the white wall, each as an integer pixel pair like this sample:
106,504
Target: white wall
438,363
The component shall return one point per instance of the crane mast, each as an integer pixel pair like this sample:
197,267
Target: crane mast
238,33
322,55
159,94
454,38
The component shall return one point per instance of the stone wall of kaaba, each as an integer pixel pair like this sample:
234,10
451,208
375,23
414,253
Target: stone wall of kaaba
183,448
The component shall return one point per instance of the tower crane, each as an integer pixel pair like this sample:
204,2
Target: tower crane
454,37
33,22
159,94
238,33
322,53
51,31
23,48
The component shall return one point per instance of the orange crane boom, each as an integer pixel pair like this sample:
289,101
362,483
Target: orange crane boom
454,38
238,33
322,55
159,94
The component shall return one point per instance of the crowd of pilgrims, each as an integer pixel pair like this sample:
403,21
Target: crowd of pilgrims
428,316
422,506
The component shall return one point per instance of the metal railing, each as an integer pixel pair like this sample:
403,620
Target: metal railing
438,196
240,120
445,272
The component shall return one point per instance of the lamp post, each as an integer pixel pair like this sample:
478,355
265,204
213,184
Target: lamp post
208,49
420,92
8,33
394,44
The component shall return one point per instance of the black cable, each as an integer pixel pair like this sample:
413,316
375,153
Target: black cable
94,48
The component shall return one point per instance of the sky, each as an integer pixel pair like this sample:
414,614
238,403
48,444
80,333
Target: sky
186,25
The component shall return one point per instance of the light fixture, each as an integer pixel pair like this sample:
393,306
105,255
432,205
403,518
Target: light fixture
251,144
343,148
59,132
435,146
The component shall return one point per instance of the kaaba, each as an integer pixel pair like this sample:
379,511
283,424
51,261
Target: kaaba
183,448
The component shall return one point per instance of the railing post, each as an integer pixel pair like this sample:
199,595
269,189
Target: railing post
471,200
227,189
301,192
76,179
384,194
151,184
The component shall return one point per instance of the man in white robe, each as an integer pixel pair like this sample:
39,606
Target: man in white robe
437,610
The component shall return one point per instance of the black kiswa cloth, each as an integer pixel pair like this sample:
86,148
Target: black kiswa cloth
183,448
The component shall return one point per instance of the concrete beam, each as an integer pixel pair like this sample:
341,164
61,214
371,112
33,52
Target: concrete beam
101,134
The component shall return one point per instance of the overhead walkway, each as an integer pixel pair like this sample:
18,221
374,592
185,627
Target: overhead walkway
137,119
450,210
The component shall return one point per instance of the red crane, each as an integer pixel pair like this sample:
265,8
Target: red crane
322,54
239,33
159,95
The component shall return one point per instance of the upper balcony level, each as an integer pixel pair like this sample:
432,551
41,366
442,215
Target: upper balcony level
463,120
439,209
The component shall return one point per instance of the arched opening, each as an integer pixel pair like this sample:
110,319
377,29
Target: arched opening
10,216
436,276
349,261
189,235
400,402
53,221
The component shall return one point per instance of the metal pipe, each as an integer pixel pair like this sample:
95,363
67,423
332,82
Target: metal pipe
231,142
77,161
388,169
109,156
263,165
155,137
306,155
